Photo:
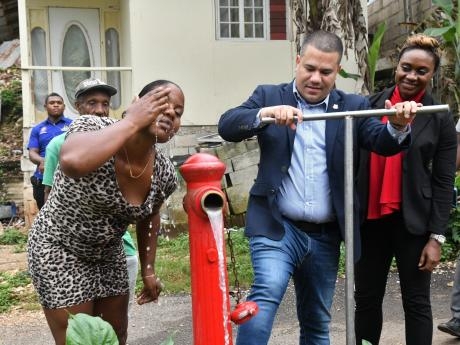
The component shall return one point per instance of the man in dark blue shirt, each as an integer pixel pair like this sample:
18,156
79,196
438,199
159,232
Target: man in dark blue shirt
40,136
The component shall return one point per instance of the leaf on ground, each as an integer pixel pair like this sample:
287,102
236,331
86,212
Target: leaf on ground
84,329
170,339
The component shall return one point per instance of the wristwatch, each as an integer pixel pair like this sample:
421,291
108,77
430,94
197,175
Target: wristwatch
438,238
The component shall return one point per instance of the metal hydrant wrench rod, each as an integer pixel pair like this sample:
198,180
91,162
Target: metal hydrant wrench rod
349,264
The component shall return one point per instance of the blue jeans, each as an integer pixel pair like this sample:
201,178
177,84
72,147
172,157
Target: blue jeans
312,261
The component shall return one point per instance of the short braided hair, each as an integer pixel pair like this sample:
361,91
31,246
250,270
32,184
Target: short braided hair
423,42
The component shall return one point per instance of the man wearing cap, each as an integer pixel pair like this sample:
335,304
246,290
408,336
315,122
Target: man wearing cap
40,136
92,97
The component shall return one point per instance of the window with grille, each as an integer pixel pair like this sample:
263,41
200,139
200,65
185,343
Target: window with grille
250,19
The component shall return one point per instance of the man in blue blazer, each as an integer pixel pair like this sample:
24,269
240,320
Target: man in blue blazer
295,217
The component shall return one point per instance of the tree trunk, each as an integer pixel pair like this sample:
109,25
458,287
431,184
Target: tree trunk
343,17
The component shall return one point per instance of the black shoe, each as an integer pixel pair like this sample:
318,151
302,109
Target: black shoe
452,327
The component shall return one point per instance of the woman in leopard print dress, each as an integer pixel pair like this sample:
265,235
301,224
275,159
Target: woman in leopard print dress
110,175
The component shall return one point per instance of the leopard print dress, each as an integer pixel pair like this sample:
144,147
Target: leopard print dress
75,250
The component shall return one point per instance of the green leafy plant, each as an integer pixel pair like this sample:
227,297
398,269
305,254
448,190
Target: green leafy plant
84,329
8,286
449,250
344,74
13,236
372,58
11,96
365,342
373,54
454,224
446,24
454,220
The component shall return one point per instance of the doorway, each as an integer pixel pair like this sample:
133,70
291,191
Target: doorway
75,42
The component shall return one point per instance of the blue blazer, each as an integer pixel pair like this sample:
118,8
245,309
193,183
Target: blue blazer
276,144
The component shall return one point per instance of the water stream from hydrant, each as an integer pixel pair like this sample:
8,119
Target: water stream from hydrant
217,225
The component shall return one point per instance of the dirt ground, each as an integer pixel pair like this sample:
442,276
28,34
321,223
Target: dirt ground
151,324
10,261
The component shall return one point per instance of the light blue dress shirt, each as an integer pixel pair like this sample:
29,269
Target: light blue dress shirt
305,193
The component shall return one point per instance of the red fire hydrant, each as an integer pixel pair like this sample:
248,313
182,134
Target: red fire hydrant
210,299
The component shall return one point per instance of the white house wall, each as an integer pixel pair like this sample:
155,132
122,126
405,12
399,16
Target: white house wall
176,40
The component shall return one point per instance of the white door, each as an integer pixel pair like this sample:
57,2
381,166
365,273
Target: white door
75,41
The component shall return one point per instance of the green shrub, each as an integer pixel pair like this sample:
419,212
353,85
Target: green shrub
11,97
8,284
13,236
453,230
449,251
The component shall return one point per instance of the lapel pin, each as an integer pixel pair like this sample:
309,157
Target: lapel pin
335,107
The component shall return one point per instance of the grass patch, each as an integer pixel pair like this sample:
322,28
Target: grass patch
16,289
242,258
172,263
13,236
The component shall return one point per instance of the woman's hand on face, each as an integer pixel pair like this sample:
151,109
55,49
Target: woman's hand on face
151,290
145,110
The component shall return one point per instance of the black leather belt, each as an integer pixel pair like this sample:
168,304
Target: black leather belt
311,228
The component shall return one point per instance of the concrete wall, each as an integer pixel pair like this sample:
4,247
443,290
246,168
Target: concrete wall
177,41
401,16
242,163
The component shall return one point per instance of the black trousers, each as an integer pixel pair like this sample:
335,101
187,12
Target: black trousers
38,191
382,240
